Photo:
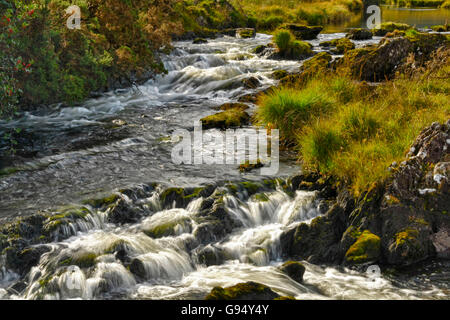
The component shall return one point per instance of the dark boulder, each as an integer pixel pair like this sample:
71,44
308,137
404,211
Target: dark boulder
294,270
359,34
243,291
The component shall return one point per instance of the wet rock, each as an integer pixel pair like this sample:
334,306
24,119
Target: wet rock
359,34
303,32
259,49
199,41
251,83
227,119
365,249
442,28
379,32
293,269
210,256
122,213
243,291
137,268
441,242
320,63
233,105
316,242
341,45
245,33
279,74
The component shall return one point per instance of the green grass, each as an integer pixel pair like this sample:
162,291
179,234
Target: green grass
352,131
270,14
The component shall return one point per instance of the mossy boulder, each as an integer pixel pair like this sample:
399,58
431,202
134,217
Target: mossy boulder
303,32
247,166
279,74
294,270
226,119
170,228
233,105
199,41
245,33
251,83
318,64
259,49
341,45
442,28
242,291
359,34
391,26
123,212
81,259
365,249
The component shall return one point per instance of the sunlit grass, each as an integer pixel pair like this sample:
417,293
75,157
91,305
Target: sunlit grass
345,129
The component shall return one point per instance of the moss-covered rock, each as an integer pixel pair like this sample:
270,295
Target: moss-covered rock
318,64
293,269
359,34
199,41
303,32
226,119
442,28
247,166
391,26
123,212
245,33
171,228
341,45
242,291
81,259
102,202
365,249
279,74
251,83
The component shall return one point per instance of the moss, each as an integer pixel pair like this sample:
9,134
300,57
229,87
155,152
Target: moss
260,197
366,248
247,166
245,33
7,171
226,119
84,260
442,28
238,291
232,187
233,105
285,298
194,194
279,74
102,202
167,229
45,281
407,235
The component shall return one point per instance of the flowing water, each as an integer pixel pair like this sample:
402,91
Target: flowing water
101,260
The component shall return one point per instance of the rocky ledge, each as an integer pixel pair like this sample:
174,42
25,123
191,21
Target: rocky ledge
401,222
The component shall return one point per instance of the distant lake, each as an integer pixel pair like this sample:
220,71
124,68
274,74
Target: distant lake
419,17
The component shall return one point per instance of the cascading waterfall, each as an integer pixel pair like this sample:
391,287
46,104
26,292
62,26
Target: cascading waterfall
170,251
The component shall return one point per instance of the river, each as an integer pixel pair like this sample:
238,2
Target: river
75,160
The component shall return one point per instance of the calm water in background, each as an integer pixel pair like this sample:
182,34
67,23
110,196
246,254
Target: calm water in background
419,17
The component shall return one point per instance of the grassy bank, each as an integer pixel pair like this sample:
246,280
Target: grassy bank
267,15
118,41
418,3
353,130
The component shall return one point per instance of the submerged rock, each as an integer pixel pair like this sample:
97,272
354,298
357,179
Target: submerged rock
243,291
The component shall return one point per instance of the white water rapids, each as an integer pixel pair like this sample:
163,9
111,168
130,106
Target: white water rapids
85,265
